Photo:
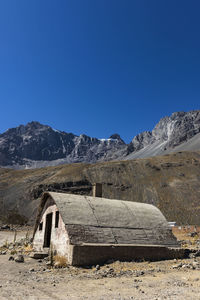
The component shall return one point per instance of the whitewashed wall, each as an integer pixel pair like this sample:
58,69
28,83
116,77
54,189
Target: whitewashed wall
59,236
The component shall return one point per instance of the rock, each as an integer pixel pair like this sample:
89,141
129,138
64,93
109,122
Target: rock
139,273
5,227
46,258
142,272
97,267
19,258
177,266
137,286
193,234
196,254
195,264
11,258
158,270
185,266
32,270
3,252
110,270
191,255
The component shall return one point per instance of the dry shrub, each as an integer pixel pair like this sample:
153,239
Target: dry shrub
28,248
183,234
13,252
5,244
60,261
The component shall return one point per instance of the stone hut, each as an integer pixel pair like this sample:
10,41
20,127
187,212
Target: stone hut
89,230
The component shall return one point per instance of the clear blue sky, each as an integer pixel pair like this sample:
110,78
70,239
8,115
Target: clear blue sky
100,66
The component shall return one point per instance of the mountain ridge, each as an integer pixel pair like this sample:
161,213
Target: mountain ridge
28,144
35,145
168,134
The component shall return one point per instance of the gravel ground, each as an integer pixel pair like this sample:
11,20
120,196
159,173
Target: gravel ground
158,280
33,280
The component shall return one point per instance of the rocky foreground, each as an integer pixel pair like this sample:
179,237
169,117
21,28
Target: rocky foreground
38,279
156,280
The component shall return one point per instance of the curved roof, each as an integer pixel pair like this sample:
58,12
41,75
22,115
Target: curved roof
108,221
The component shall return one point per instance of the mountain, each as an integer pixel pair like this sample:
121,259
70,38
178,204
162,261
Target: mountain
35,145
170,182
179,132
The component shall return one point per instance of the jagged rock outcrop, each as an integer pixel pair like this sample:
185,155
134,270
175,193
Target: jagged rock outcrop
173,133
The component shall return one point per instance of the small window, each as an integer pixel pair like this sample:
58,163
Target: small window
40,226
57,219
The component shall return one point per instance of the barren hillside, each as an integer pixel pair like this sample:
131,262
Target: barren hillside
170,182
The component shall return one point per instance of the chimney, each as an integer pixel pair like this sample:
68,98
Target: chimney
97,190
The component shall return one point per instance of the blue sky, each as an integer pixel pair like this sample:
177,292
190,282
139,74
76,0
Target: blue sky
98,67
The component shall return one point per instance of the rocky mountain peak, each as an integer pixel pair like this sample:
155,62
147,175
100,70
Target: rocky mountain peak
28,128
35,124
116,136
35,144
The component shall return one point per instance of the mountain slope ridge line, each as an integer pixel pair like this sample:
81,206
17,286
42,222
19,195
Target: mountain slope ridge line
35,145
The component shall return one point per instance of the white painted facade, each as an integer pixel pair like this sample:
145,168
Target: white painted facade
59,237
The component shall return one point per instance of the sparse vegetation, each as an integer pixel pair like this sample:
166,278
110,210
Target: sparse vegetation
176,195
60,261
5,245
189,236
13,252
28,248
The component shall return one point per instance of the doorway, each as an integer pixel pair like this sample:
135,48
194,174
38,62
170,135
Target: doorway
47,234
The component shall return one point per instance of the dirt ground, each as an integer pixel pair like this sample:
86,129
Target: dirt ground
33,279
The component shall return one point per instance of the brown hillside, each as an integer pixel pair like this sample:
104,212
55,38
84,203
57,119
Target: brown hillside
170,182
